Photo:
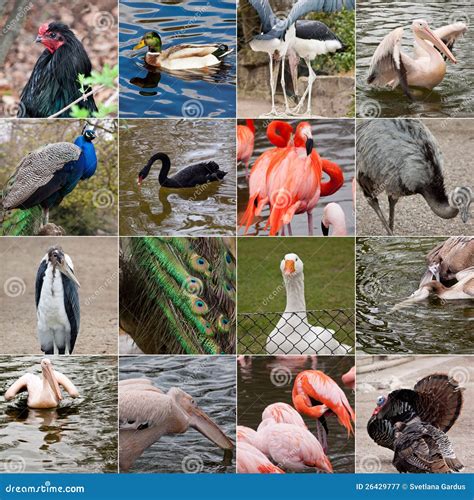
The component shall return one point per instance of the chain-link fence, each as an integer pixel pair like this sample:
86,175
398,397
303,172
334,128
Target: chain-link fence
309,332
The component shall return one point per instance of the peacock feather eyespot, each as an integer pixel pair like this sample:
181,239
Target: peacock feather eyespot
193,285
223,323
207,327
228,258
200,264
198,305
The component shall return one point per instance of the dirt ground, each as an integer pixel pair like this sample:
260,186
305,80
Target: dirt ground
374,458
413,216
95,263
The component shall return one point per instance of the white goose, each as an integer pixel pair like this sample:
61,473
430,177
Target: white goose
293,333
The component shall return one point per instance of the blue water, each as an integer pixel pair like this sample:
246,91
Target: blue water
157,94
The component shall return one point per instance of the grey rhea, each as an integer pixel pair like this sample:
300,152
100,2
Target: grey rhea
403,158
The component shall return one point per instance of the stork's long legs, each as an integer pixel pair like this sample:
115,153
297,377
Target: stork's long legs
374,203
308,91
273,82
283,86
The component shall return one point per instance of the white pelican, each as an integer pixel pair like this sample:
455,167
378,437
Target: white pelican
57,303
293,333
146,413
462,290
391,67
42,393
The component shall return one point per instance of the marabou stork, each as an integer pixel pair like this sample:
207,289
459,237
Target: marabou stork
57,303
45,176
305,39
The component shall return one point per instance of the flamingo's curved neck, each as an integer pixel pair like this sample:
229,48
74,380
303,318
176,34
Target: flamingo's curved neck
279,133
295,301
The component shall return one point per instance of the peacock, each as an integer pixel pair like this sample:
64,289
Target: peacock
40,182
177,295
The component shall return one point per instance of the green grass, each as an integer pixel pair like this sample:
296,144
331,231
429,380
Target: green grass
329,285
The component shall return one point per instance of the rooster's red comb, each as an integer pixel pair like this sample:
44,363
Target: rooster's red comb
43,29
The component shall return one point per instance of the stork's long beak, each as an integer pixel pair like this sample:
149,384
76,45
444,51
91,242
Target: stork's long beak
68,272
48,374
437,42
200,421
139,45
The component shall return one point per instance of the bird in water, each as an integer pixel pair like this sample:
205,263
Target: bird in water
181,57
45,392
245,144
146,414
57,303
177,295
403,158
53,84
188,177
43,178
414,422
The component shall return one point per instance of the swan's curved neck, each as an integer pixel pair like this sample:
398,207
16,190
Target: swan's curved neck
295,301
165,168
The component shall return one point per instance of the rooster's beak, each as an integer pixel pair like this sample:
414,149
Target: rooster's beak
38,39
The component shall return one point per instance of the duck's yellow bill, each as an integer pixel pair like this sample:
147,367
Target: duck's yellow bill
139,45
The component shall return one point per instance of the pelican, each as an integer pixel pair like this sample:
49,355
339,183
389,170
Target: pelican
146,413
57,303
43,393
448,258
282,37
392,67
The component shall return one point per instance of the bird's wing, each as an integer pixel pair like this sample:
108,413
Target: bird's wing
464,273
188,50
20,385
35,170
71,304
387,66
303,7
450,33
265,13
252,461
39,280
68,386
141,409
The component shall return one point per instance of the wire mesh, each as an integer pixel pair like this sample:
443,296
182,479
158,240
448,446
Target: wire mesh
308,332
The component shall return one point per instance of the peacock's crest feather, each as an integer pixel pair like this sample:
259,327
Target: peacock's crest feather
177,295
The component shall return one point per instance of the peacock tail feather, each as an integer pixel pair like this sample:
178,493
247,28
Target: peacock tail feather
20,222
177,295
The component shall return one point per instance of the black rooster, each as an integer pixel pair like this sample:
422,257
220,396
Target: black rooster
54,81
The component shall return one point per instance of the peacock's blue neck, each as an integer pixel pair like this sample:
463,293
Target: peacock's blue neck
88,159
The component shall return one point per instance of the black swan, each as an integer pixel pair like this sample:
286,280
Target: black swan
194,175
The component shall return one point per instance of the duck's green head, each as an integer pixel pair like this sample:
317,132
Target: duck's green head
152,40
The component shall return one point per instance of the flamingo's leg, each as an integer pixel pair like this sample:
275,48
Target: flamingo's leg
290,231
310,223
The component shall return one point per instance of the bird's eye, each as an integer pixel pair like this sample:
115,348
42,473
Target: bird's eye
52,35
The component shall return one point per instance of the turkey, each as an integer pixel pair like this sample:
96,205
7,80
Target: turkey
177,295
423,448
42,179
53,84
413,423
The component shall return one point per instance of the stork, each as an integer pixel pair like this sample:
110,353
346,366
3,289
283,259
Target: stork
306,39
45,176
57,303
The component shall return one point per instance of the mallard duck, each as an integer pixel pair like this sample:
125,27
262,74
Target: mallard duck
184,56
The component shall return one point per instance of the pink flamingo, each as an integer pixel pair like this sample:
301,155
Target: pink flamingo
251,460
349,378
245,144
333,215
